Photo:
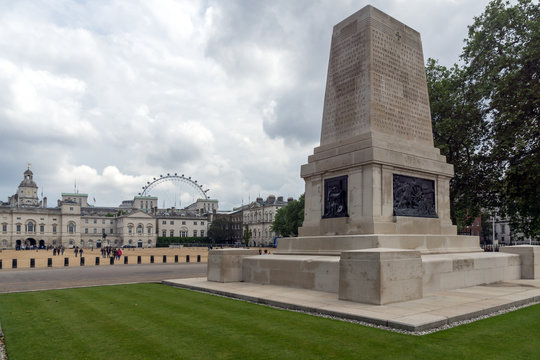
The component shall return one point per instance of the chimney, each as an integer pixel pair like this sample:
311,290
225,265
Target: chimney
45,202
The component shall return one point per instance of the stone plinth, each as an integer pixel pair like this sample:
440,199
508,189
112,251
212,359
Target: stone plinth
454,271
380,276
319,273
529,259
334,245
225,265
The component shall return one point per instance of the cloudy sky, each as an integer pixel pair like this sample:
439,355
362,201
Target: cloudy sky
109,94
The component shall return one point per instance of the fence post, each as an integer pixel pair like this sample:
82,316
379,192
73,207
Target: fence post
14,263
0,264
111,261
49,262
139,259
32,263
66,261
97,260
125,259
82,261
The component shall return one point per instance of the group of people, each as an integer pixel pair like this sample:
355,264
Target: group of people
107,251
57,250
78,251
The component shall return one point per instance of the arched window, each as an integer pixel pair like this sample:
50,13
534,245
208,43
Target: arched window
139,229
71,228
30,227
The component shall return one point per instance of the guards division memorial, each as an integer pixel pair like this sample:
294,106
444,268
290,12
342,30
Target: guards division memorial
377,225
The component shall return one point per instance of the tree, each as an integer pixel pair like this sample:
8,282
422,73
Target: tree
502,61
289,218
497,92
246,235
221,230
459,132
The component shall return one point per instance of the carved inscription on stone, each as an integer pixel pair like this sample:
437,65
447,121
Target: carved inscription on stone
413,196
376,80
347,86
335,197
400,104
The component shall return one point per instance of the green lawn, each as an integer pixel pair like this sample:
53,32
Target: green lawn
152,321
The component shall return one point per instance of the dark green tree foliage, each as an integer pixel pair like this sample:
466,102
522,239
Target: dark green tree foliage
502,61
289,218
459,131
496,94
220,230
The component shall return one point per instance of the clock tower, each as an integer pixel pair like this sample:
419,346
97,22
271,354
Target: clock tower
27,193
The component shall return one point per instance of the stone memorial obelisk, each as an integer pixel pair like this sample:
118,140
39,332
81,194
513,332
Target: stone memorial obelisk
377,225
376,171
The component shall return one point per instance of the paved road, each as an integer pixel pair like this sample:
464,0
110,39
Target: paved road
58,278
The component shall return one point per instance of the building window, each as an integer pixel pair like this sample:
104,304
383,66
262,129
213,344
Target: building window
86,221
172,222
183,223
202,222
70,208
54,229
195,233
71,228
95,231
103,221
172,233
102,231
194,223
41,228
111,231
111,222
95,221
86,230
183,233
30,227
202,233
139,229
164,233
149,229
4,227
164,222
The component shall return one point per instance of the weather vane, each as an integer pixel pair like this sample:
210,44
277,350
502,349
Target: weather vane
29,166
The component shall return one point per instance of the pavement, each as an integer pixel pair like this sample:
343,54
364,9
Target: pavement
79,276
434,311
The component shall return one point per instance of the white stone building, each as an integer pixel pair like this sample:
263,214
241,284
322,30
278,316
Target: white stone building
27,221
259,216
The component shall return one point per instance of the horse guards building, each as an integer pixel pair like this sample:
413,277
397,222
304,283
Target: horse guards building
27,221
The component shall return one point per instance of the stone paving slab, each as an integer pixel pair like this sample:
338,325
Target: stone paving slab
432,311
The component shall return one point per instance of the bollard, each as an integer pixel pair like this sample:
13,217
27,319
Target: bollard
198,258
66,261
0,264
138,259
175,258
97,260
111,260
82,261
187,258
49,262
125,259
151,259
32,263
14,263
164,259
